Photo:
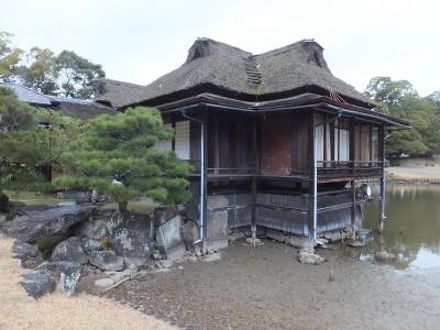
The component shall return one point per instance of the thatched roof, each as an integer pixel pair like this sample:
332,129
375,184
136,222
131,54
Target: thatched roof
117,93
77,108
81,109
212,66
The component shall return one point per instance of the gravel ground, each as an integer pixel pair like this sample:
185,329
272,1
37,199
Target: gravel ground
266,288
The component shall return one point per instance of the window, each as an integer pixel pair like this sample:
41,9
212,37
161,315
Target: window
342,140
182,140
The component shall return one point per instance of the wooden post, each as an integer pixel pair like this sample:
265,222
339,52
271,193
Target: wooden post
353,181
204,205
382,181
313,181
216,145
254,180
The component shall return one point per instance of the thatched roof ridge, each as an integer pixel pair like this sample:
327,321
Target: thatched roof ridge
81,109
216,67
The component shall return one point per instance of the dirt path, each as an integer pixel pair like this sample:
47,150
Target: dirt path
56,311
266,288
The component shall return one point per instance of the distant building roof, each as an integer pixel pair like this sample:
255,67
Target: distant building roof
27,95
77,108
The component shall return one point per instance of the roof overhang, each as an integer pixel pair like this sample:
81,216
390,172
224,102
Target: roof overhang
308,101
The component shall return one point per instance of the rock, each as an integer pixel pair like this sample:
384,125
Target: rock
101,225
276,235
66,203
332,236
29,255
298,242
129,236
38,284
254,241
212,257
307,255
384,256
43,225
66,272
190,231
217,227
170,240
106,260
164,264
90,244
2,218
131,239
5,206
70,250
104,283
163,214
310,258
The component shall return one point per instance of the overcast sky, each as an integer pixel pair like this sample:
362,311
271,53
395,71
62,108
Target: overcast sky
139,40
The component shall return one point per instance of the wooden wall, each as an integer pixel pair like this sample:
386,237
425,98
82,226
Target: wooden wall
284,143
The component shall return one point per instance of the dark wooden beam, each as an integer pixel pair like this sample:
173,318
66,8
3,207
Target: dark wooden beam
311,162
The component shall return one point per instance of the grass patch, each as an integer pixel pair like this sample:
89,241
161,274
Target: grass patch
33,198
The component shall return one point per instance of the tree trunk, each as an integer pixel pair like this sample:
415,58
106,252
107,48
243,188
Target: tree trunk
122,207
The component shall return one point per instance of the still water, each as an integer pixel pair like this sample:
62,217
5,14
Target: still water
412,228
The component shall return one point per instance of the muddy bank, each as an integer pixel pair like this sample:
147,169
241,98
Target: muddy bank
265,287
414,175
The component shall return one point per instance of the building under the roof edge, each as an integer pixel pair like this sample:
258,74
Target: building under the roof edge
276,140
72,107
77,108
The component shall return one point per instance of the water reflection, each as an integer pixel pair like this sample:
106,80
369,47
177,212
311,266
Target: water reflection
412,228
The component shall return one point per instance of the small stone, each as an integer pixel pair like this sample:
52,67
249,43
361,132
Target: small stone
166,263
193,259
384,256
212,257
180,267
310,258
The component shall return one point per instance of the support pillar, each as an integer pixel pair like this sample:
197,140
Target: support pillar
313,181
254,183
382,217
204,183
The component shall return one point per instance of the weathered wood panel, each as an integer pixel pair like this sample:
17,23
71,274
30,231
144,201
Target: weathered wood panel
300,143
276,145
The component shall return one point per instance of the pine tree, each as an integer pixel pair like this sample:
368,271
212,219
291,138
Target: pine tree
116,156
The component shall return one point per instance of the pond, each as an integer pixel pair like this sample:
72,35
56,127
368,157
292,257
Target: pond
412,227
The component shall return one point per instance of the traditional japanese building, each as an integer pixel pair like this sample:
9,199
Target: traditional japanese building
276,141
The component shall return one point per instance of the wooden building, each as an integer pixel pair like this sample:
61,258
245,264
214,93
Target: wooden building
275,139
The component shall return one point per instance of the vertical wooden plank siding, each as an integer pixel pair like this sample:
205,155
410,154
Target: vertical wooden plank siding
276,147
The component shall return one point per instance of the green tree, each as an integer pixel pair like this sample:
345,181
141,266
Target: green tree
41,73
15,117
401,100
116,156
388,92
10,57
76,75
30,138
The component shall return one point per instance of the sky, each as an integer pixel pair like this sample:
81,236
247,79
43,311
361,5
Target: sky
140,40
